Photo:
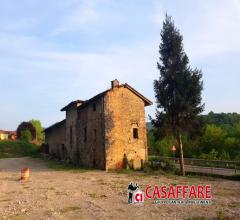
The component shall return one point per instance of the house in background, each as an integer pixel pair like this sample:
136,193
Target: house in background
12,135
8,135
3,135
104,131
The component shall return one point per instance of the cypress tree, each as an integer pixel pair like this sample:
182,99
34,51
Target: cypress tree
178,89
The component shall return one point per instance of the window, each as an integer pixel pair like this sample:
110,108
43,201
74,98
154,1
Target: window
85,135
135,133
94,134
94,106
71,136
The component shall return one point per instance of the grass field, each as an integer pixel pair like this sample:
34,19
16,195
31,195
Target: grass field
12,149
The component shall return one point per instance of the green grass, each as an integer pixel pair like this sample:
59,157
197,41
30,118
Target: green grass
13,149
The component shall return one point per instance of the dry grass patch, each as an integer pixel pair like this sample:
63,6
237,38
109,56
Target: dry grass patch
5,200
69,209
95,195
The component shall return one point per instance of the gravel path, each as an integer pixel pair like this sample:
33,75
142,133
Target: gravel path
93,194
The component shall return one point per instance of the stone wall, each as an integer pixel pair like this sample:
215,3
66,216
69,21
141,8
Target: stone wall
55,138
124,111
90,134
71,135
104,131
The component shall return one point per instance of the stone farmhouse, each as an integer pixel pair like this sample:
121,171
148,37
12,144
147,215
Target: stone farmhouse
107,131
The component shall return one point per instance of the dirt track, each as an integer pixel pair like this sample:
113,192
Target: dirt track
51,194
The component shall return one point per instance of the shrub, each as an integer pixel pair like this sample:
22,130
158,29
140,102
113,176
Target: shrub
212,155
224,156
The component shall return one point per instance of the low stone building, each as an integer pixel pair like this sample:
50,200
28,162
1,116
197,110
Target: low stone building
107,131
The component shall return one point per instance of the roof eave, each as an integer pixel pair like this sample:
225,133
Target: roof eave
147,102
65,108
54,125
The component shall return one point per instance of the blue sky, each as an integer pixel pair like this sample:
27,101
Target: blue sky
53,52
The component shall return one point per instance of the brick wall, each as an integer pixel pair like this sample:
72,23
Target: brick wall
71,135
55,138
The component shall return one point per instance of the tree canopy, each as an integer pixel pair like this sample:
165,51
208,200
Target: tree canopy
219,138
39,129
26,126
178,88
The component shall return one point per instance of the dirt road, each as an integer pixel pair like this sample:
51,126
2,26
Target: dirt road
92,194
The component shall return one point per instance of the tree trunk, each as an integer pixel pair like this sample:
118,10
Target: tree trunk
180,147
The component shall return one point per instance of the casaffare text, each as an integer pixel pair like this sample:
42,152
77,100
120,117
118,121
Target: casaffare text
178,192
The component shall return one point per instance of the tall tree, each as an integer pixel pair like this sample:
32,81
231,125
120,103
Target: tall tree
178,89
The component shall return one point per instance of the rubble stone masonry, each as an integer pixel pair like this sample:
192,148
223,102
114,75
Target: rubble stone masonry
107,131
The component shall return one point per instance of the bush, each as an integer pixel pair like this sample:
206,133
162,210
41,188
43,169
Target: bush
212,155
224,156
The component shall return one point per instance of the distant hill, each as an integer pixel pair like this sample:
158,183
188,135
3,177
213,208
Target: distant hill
218,119
222,118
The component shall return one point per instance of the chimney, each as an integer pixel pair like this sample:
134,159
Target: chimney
114,83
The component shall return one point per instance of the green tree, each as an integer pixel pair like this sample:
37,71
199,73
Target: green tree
178,89
213,137
26,126
39,129
26,136
232,146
